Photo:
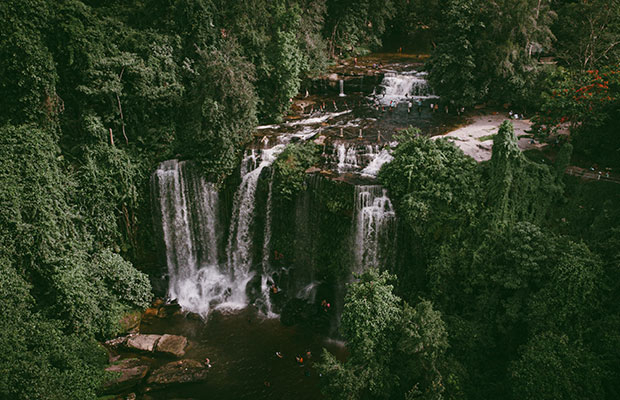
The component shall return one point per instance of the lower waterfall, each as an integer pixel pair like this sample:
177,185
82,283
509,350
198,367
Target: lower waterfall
240,239
188,209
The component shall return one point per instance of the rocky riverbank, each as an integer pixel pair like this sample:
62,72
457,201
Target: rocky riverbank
143,363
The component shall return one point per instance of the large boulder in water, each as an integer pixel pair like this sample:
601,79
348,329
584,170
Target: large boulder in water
178,372
132,372
143,342
172,345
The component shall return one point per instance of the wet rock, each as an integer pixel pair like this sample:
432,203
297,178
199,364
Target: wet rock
117,342
130,321
151,312
193,316
333,77
143,342
158,302
172,344
320,140
178,372
132,372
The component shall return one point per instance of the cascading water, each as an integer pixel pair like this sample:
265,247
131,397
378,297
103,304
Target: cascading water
374,227
399,87
341,82
372,169
366,160
267,274
347,158
188,208
240,240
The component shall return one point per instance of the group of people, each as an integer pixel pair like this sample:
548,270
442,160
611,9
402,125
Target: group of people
299,358
435,107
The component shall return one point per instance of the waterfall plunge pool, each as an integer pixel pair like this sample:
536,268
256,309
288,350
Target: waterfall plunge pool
241,347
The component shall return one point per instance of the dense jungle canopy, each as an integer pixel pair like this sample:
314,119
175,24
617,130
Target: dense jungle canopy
516,282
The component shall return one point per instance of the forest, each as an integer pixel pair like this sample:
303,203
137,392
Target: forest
510,282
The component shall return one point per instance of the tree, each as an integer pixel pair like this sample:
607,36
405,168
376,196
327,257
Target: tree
588,33
553,367
518,189
355,26
39,360
395,350
219,110
434,185
453,62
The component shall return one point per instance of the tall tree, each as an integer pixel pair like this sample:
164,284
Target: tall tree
395,350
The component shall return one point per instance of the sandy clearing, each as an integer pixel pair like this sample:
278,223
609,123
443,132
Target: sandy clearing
467,137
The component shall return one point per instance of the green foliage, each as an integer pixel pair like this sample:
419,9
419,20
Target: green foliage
39,361
27,66
486,53
510,285
518,189
588,103
552,367
452,66
61,294
37,219
220,108
107,189
290,168
92,293
355,26
435,186
395,350
588,33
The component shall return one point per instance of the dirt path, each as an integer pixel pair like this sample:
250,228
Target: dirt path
592,175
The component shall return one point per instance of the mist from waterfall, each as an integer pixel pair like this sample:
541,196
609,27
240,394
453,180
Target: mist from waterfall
188,206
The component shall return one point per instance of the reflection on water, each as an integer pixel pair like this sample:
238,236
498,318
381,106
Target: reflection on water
241,348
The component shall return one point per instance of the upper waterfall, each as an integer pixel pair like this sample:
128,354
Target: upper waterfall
400,87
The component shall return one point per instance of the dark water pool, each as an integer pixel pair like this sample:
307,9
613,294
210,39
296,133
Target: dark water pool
241,348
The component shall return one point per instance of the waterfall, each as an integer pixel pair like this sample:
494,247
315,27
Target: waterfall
347,158
188,209
240,240
341,82
372,169
366,160
399,87
374,227
267,275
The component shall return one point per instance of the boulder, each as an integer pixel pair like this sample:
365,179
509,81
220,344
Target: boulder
143,342
178,372
132,371
117,342
172,344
